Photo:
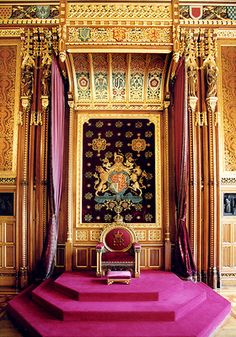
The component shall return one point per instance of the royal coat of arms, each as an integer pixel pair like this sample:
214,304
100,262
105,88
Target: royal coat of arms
119,183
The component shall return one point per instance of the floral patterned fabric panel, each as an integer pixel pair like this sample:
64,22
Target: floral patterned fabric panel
119,67
138,67
154,79
118,170
82,77
100,67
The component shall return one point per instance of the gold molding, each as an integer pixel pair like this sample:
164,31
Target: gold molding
16,32
226,33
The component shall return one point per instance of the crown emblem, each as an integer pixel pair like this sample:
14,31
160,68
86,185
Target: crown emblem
118,239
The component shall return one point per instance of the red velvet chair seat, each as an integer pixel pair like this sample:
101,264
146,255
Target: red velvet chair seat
117,257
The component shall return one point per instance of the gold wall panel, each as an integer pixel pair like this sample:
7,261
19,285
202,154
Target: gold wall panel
93,258
229,245
85,257
228,63
154,257
60,256
81,257
7,245
10,257
9,106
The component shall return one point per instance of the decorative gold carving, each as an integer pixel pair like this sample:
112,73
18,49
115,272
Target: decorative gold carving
37,47
211,104
211,76
45,102
95,235
7,180
141,235
9,98
132,36
129,107
82,235
192,101
228,181
22,14
5,12
201,118
154,235
118,11
228,54
17,32
226,34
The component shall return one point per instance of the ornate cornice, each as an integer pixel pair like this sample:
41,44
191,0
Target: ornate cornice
29,14
208,13
138,107
117,11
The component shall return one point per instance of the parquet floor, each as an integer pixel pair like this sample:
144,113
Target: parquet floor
227,328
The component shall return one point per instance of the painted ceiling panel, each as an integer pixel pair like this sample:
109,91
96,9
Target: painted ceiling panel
119,78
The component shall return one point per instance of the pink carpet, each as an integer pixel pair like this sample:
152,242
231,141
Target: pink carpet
156,304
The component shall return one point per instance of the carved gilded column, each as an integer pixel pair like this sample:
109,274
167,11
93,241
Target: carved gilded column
166,216
192,80
69,242
62,30
44,80
27,66
211,99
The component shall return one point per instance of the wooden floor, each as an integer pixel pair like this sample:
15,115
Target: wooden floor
227,328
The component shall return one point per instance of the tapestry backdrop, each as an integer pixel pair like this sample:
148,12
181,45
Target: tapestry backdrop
118,170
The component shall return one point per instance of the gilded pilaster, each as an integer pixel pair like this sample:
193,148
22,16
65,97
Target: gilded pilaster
166,206
192,79
211,72
68,247
28,64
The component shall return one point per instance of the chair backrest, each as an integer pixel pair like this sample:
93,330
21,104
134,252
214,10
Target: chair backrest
117,238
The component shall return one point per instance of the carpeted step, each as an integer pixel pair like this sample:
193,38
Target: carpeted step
190,321
65,308
88,287
37,322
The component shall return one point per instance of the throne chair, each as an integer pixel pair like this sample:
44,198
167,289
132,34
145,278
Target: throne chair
118,249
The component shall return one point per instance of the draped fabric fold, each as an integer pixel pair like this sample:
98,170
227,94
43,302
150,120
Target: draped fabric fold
184,263
57,149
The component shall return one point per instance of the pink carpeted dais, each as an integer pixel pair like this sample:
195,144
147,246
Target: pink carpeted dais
82,305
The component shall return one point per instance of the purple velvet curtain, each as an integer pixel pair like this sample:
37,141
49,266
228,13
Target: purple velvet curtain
57,149
184,263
